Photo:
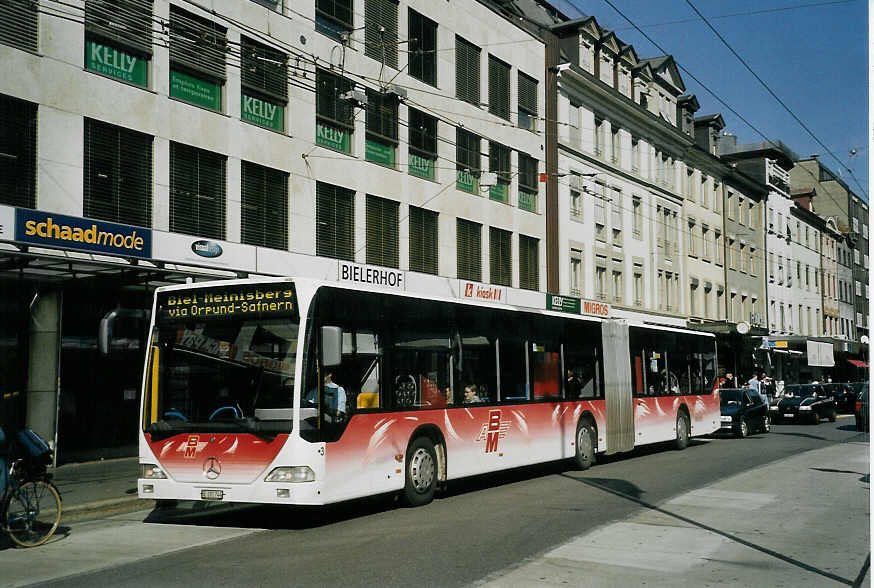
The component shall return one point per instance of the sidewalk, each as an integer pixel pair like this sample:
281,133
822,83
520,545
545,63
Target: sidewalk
99,488
802,521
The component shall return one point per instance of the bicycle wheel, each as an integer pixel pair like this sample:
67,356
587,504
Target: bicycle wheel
33,512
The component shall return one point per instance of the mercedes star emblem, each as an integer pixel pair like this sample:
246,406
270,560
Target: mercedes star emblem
212,467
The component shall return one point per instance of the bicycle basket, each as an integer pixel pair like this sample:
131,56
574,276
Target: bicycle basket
33,448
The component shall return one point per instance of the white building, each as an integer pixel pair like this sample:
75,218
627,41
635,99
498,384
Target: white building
254,138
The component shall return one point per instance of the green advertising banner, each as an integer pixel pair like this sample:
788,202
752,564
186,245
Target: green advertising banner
379,152
116,64
422,167
498,192
333,137
465,181
195,90
528,201
262,113
563,303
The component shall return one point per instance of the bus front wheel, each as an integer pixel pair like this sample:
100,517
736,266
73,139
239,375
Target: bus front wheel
585,442
421,472
682,431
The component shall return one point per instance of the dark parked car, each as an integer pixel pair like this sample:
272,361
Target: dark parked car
844,394
862,408
742,411
804,402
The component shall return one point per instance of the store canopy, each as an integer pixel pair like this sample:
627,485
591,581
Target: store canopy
858,363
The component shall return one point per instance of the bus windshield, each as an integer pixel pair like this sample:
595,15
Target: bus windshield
232,373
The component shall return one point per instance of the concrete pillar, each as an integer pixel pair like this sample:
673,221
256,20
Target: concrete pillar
44,368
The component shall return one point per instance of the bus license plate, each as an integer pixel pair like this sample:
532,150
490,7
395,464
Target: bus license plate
212,494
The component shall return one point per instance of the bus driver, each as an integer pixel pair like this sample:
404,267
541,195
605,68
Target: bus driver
335,400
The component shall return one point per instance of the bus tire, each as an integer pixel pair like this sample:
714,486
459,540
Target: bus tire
420,478
682,431
585,445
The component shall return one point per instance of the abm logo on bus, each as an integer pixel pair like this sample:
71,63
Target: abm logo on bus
493,430
191,446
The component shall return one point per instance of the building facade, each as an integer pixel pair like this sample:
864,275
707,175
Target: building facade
252,139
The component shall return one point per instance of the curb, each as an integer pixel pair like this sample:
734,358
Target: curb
79,512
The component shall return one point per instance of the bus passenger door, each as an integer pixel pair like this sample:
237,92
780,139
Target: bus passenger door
617,387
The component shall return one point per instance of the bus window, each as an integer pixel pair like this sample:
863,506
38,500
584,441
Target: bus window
545,370
686,362
475,374
582,361
420,364
474,354
708,366
514,377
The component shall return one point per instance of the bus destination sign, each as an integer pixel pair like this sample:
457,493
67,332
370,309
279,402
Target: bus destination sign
259,300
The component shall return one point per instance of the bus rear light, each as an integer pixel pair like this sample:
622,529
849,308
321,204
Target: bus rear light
150,471
291,474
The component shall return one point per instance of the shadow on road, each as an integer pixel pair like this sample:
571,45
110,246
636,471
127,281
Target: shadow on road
633,492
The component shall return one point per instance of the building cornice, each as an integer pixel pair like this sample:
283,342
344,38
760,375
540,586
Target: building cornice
580,83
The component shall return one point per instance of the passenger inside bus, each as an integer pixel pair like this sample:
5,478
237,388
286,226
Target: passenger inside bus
470,394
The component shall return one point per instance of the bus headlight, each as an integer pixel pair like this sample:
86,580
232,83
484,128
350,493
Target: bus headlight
291,474
150,471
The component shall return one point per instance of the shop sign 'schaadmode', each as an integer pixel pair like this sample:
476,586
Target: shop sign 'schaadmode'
69,232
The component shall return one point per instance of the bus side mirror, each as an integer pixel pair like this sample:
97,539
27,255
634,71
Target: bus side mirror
331,346
131,320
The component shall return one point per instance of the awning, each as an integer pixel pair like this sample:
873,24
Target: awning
858,363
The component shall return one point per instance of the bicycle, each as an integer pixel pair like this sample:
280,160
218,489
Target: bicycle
31,508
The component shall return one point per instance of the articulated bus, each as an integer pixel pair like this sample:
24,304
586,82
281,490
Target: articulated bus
307,393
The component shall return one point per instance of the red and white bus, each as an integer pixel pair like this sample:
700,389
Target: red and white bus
305,392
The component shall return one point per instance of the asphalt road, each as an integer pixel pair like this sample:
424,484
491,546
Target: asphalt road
481,526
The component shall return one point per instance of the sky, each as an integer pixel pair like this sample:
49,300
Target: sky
812,54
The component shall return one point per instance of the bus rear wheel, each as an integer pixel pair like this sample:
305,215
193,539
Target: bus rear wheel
585,444
682,431
421,472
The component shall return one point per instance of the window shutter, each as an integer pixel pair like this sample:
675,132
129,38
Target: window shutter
467,81
265,206
527,173
127,23
423,48
423,240
499,88
337,11
528,263
329,106
382,231
264,69
19,24
500,257
527,94
381,46
469,250
197,44
197,191
17,151
382,116
423,133
118,174
468,146
499,161
335,221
